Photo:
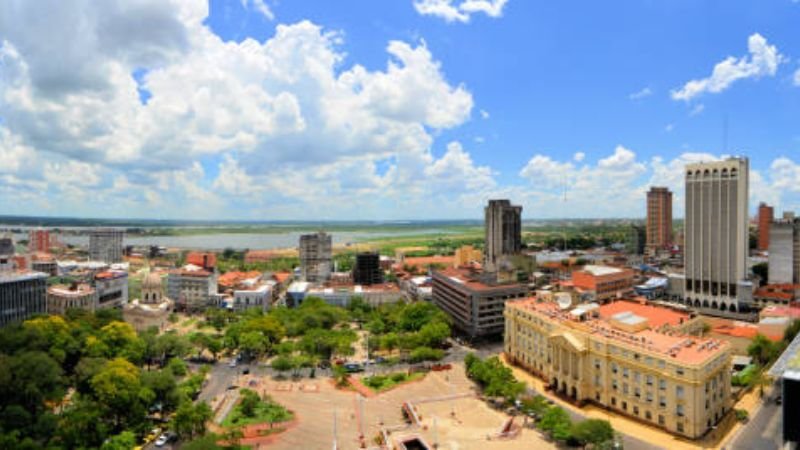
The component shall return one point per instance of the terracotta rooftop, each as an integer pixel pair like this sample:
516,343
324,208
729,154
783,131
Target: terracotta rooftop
656,316
231,279
281,277
683,348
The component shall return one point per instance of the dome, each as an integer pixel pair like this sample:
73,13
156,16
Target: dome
152,281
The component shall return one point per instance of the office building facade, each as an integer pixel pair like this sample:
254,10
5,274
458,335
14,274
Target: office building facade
503,232
316,257
105,244
659,219
474,304
784,250
367,269
717,237
22,294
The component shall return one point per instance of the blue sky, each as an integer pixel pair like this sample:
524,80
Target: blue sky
392,109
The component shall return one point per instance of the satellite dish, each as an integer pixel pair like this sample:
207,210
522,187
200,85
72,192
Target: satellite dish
564,300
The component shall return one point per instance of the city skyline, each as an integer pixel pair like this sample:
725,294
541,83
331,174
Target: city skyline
263,110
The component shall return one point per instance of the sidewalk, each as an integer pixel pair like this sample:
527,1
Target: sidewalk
636,429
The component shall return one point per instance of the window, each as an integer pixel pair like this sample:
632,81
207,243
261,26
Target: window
597,380
625,388
636,410
660,419
649,380
680,427
625,372
662,401
648,416
625,406
614,384
636,377
613,401
679,370
679,410
596,363
614,367
637,392
661,364
649,396
679,391
662,384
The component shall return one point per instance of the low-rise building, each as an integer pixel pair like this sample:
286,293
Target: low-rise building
374,295
191,287
44,262
473,301
61,298
112,288
22,294
603,283
257,294
629,357
205,260
418,288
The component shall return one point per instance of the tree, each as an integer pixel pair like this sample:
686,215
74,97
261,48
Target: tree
433,334
117,386
592,431
761,270
190,419
760,379
761,349
556,421
282,363
791,331
420,354
341,376
123,441
253,344
248,403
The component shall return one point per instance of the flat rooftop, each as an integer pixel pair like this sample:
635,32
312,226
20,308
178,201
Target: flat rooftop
680,348
470,279
600,271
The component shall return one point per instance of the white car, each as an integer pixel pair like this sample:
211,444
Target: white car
162,440
232,364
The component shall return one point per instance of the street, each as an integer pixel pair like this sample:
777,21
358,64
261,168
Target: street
764,431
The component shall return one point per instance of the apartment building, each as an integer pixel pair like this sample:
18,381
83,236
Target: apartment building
316,257
473,300
633,358
503,232
659,219
191,288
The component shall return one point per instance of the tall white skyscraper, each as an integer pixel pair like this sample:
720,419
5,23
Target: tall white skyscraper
716,247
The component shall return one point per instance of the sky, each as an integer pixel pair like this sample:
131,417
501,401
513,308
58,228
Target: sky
390,109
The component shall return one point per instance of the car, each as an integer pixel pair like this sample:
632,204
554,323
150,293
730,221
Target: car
245,371
353,367
232,364
152,434
232,387
162,440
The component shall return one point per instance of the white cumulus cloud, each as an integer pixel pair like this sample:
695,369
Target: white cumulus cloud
459,10
762,61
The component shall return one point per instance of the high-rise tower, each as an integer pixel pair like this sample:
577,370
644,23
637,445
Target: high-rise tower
659,219
717,235
503,227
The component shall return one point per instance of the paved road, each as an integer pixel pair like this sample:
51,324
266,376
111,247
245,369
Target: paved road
764,431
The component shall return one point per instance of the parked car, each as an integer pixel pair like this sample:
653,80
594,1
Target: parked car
353,367
245,371
232,364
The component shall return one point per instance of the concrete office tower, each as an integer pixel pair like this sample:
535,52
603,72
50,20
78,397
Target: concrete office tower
659,219
367,269
784,250
105,244
717,236
22,295
503,228
315,257
766,214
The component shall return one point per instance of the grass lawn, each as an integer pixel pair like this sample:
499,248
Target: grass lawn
265,412
381,383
